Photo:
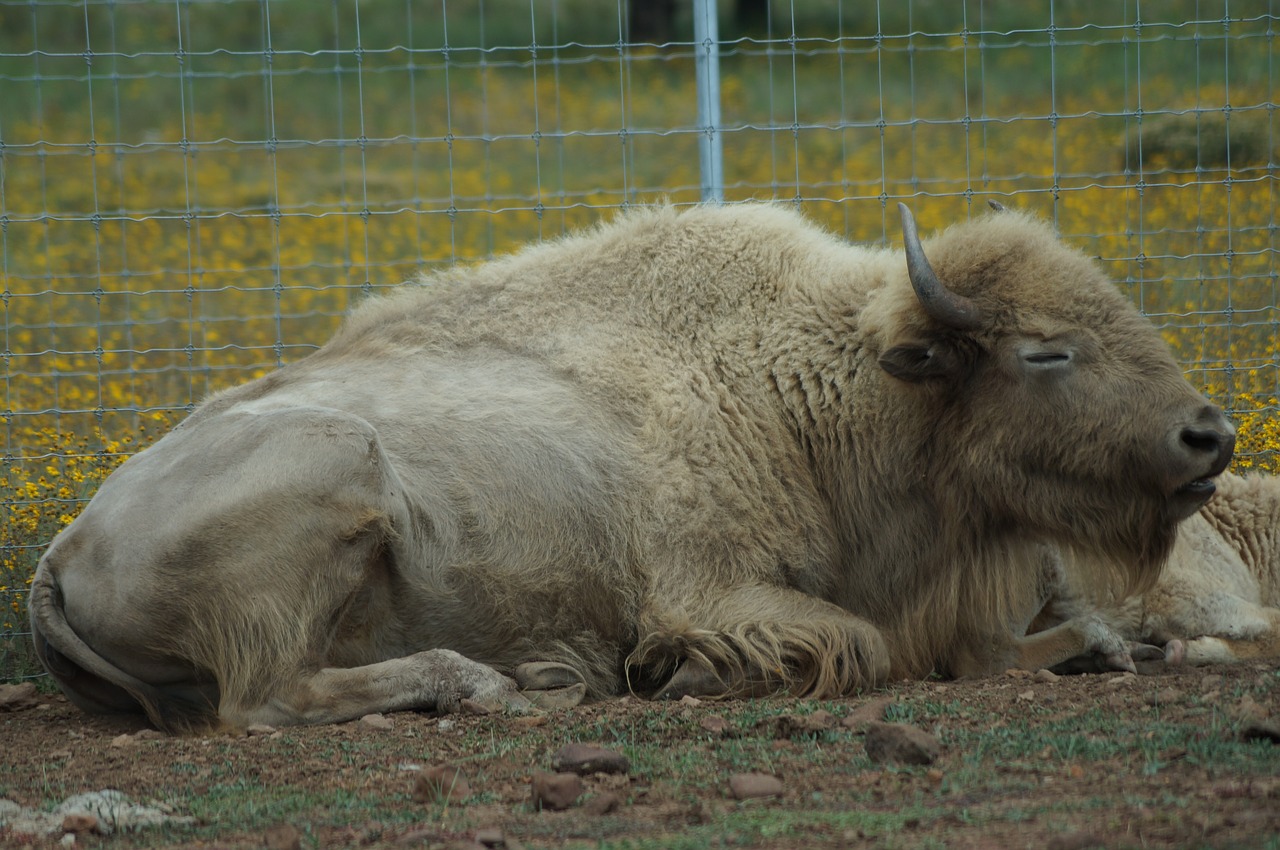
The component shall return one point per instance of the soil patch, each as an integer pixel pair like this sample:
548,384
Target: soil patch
1167,760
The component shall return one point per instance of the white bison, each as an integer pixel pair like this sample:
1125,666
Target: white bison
708,452
1217,599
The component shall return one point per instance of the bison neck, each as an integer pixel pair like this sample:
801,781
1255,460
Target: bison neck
916,552
937,589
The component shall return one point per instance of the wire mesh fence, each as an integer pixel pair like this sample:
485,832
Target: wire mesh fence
192,193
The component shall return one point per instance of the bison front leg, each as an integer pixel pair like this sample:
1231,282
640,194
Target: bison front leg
437,679
1085,640
757,640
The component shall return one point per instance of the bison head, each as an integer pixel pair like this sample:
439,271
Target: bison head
1050,395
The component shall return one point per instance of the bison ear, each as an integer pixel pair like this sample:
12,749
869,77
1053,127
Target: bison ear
920,361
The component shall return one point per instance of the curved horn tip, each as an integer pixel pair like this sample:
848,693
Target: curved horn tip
996,205
940,303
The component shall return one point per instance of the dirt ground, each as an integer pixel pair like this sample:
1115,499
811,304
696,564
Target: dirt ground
1174,759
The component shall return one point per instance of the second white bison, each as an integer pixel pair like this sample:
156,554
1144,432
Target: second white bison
711,452
1218,597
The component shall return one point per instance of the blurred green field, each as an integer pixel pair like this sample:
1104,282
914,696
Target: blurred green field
192,195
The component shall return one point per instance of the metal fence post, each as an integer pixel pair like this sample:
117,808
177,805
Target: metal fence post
706,37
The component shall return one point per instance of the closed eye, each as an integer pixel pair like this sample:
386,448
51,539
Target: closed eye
1047,358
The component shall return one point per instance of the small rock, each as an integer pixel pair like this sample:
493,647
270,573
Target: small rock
79,822
584,759
125,740
801,725
378,721
528,721
555,791
149,735
749,786
1027,696
283,837
1261,730
441,783
901,744
414,837
866,714
690,701
255,730
446,724
602,804
1248,711
1017,673
1164,696
1045,676
491,837
68,840
1122,679
715,724
18,697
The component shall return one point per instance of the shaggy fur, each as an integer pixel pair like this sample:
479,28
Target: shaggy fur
713,452
1219,593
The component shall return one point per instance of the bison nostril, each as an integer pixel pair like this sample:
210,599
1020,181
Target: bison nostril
1203,440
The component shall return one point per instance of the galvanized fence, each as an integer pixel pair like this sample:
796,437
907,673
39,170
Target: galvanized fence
192,193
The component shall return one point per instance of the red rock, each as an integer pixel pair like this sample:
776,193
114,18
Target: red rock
801,725
555,791
748,786
377,721
715,724
79,822
866,714
283,837
602,804
441,783
18,697
584,759
900,743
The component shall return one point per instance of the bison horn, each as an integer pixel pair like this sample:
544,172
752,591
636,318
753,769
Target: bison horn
940,303
996,205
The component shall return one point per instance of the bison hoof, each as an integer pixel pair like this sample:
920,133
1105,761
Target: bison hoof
1151,660
694,679
1119,661
1146,652
1208,650
558,698
550,685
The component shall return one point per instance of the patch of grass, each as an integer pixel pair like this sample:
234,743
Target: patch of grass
998,775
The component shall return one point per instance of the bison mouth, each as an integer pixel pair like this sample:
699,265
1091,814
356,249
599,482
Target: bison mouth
1192,496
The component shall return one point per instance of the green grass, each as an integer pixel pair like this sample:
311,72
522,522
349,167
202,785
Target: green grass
992,780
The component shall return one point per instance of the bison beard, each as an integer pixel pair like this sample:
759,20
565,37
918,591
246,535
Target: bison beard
712,452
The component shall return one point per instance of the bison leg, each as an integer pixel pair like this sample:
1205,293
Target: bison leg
438,679
1247,631
550,684
1079,636
755,640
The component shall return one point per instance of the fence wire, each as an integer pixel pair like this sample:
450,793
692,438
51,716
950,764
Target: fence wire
193,193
